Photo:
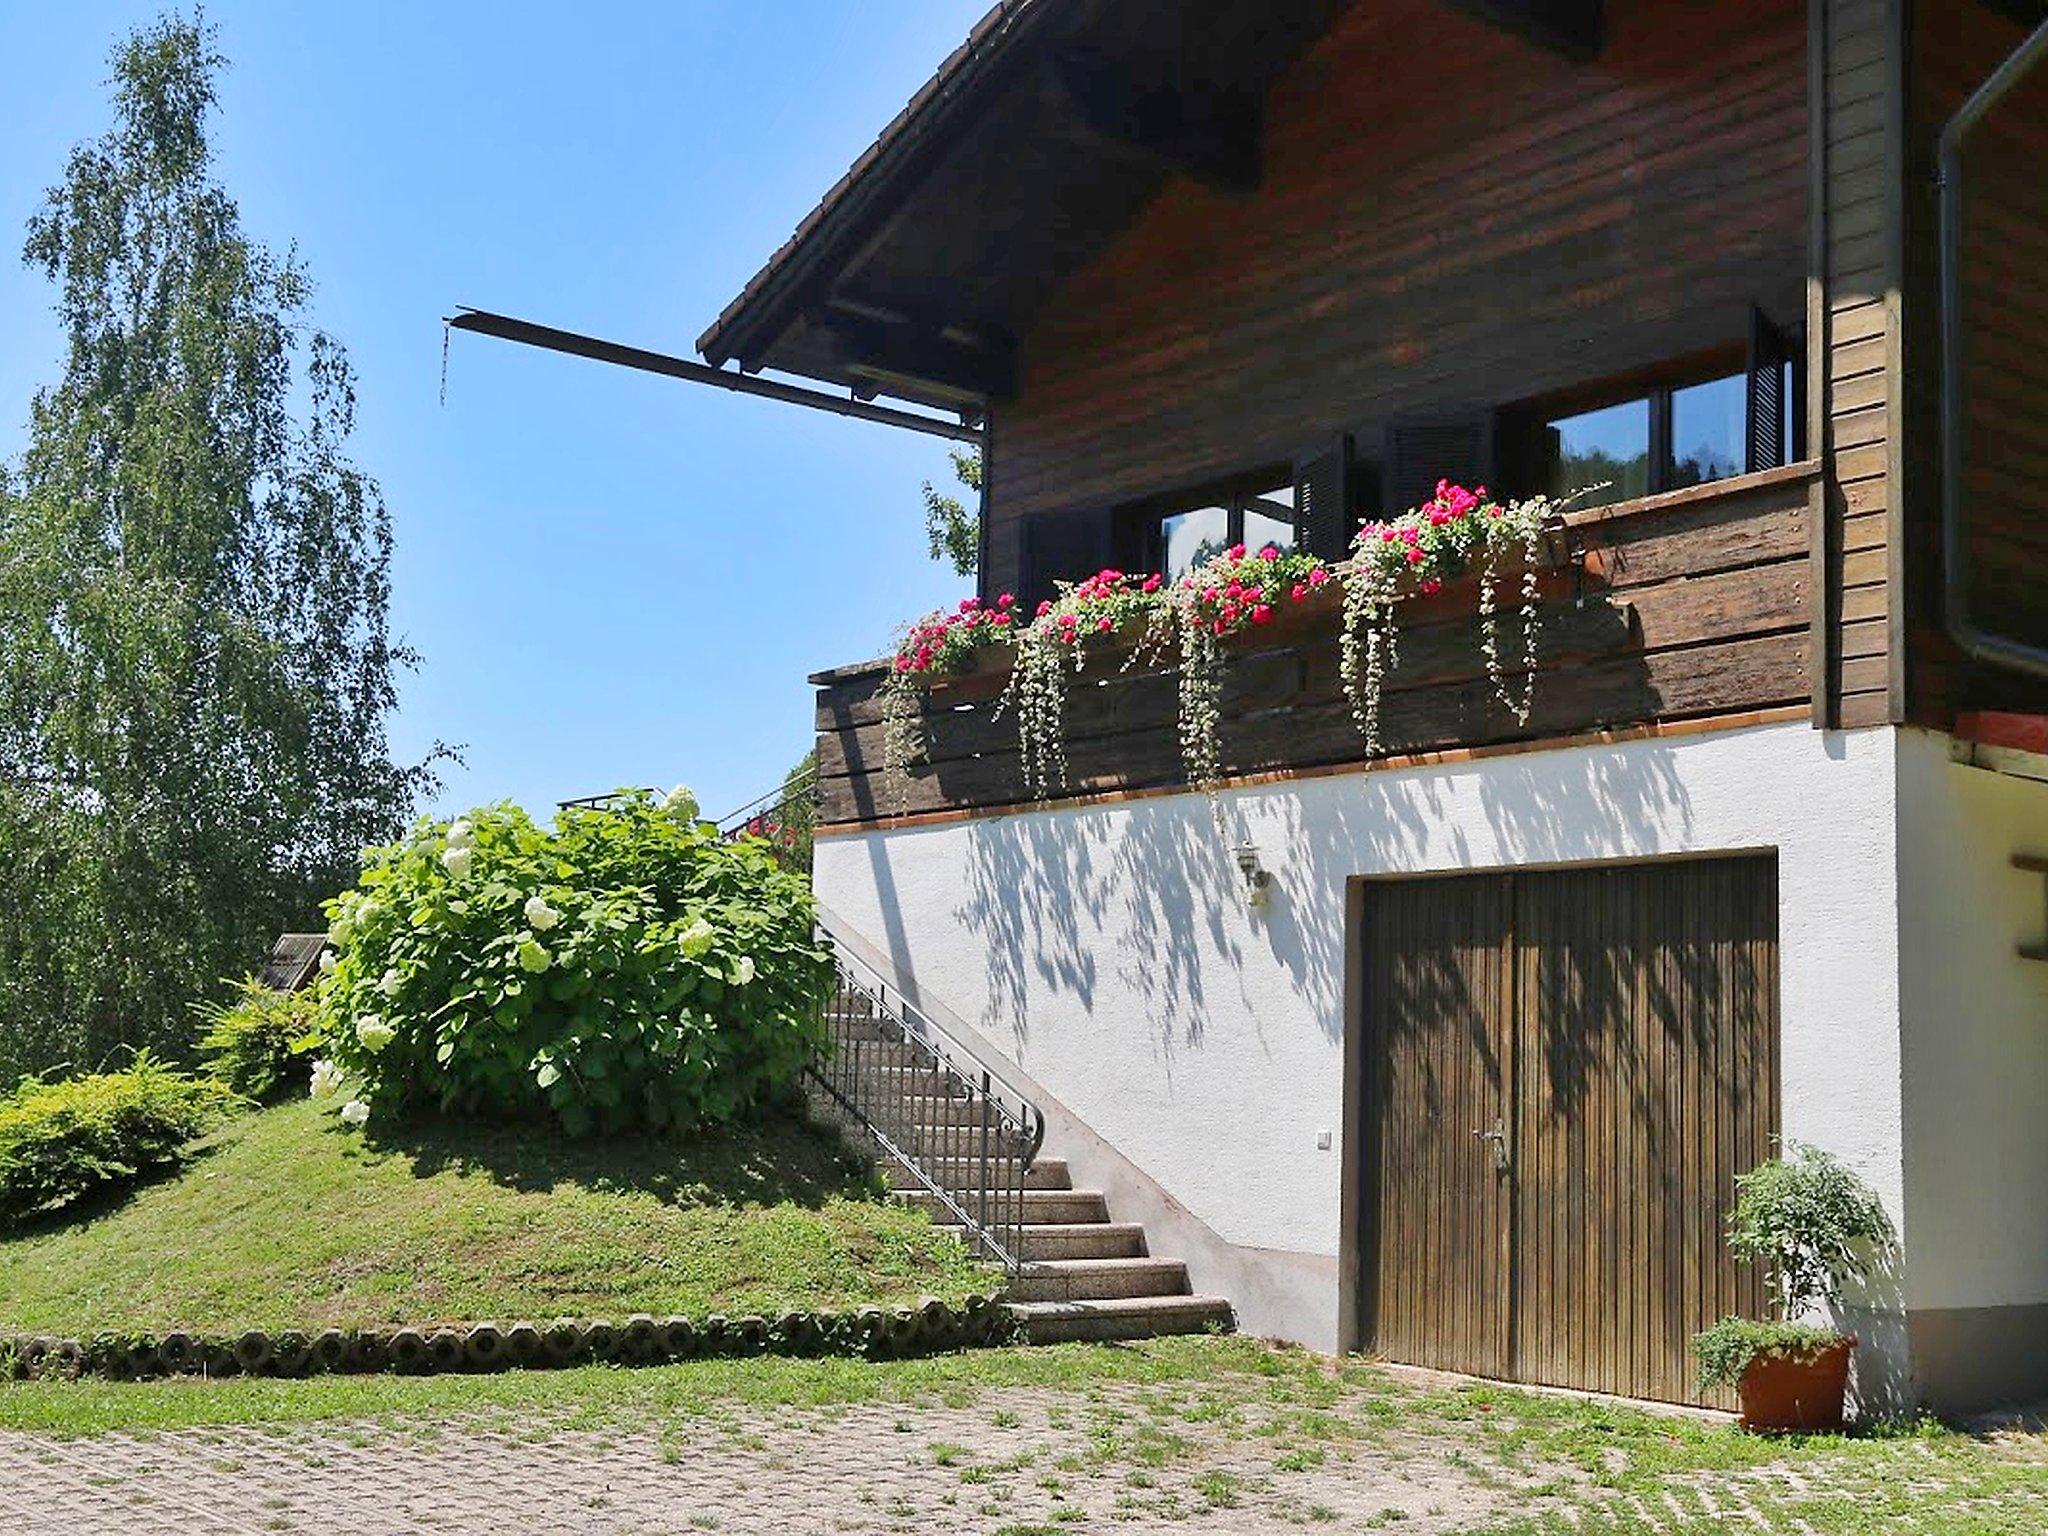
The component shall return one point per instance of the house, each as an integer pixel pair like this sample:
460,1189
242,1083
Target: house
1469,1082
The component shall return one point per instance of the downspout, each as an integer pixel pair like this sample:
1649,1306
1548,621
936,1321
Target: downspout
1978,643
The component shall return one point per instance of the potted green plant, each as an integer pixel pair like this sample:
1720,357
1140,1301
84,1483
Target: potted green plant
1815,1226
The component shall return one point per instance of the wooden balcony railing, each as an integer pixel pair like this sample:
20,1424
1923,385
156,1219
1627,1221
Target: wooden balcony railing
1689,605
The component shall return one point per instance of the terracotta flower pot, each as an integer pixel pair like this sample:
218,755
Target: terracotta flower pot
1796,1394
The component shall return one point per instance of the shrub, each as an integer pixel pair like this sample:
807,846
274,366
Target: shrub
625,970
254,1043
1811,1222
60,1141
1725,1350
1815,1226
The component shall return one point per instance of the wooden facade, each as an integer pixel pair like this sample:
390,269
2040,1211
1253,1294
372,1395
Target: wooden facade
1532,226
1425,258
1950,51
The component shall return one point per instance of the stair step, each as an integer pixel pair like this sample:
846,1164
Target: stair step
1056,1207
1075,1240
1129,1317
1100,1279
1046,1173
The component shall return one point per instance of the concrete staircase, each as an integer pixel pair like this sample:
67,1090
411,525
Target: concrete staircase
1085,1276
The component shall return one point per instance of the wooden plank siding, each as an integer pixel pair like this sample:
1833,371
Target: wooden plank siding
1619,1025
1861,86
1424,241
1694,603
1954,49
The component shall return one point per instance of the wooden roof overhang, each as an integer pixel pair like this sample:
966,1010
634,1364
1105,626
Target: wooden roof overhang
1039,139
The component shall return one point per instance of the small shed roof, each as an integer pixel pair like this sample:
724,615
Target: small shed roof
294,961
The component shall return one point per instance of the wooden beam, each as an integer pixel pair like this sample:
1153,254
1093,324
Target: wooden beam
1212,138
1574,28
506,328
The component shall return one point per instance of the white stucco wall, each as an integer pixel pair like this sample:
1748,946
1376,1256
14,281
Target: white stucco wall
1110,951
1975,1031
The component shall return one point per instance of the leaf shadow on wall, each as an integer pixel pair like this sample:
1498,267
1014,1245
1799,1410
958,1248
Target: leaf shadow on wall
1543,809
1052,898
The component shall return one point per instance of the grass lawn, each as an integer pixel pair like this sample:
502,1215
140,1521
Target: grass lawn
1212,1423
289,1219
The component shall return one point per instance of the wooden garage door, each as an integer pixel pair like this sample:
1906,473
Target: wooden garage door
1565,1070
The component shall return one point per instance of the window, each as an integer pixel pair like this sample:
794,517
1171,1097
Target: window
1609,447
1662,439
1188,535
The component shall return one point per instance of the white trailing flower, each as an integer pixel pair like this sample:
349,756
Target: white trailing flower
461,834
373,1034
1370,646
743,971
1038,693
391,983
680,802
355,1112
457,861
698,938
327,1078
1201,700
539,915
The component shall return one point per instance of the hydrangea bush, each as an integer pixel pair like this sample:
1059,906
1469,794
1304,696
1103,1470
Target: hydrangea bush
625,970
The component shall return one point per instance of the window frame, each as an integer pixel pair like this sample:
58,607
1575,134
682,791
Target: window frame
1144,521
1527,421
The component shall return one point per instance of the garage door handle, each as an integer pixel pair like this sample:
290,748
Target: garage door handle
1499,1137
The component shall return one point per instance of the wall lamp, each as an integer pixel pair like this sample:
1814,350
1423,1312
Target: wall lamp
1258,882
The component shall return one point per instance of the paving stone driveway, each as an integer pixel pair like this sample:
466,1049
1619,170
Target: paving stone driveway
1030,1462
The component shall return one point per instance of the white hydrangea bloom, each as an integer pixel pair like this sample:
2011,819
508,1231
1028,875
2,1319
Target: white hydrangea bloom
457,861
680,802
534,957
540,915
390,983
326,1080
373,1033
743,972
355,1112
461,835
698,938
326,962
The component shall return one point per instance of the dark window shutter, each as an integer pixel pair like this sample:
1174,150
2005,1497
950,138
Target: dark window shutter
1323,501
1421,450
1769,350
1062,546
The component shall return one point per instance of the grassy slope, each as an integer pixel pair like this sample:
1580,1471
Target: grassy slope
290,1219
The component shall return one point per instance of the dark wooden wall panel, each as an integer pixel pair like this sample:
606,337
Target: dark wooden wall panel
1864,348
1955,48
1539,225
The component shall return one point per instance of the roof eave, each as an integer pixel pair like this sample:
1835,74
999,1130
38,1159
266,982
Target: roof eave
748,325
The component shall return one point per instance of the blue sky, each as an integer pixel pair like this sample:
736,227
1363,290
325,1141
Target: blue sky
613,578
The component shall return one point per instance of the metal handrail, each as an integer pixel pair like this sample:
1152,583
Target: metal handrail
802,782
1017,1107
965,1140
